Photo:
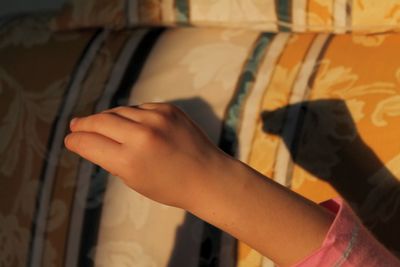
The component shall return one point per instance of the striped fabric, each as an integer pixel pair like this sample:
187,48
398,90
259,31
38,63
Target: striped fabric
289,133
337,16
52,215
229,139
32,104
293,75
292,106
56,145
283,163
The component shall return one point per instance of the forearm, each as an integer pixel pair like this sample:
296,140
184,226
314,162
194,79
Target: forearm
160,153
277,222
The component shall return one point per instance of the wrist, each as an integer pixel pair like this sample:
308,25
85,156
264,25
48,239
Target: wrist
252,208
218,192
218,175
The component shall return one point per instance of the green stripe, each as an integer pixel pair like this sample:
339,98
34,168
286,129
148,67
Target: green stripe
245,84
283,12
182,12
211,244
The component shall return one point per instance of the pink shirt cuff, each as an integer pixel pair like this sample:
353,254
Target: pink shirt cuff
348,243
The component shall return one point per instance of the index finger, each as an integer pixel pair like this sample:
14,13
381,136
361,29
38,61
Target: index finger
110,125
96,148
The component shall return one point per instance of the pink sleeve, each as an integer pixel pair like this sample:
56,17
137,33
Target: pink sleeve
348,243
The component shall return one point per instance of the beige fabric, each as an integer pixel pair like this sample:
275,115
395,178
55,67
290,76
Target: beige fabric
198,73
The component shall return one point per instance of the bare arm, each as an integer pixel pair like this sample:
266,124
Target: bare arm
267,216
159,152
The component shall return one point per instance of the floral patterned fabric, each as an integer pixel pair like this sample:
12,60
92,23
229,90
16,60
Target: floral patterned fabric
327,124
314,111
338,16
30,102
51,199
198,74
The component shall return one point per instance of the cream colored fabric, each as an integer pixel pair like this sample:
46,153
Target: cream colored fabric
197,70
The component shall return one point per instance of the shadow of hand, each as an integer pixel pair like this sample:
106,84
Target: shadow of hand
320,128
322,138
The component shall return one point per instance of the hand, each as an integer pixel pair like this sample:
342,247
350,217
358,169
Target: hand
154,148
159,152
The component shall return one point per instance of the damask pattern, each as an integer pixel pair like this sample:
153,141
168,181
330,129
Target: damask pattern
337,147
51,195
317,112
202,67
338,16
30,104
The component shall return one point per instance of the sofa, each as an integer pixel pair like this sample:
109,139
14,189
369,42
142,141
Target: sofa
305,92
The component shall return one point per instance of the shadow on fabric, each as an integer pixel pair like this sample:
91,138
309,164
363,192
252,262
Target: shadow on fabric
322,138
194,233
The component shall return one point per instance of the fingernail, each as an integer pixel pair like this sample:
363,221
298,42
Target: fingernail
66,140
73,121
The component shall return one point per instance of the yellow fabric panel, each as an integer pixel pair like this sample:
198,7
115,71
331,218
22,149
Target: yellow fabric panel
276,95
362,71
378,15
346,73
264,145
319,14
310,187
372,97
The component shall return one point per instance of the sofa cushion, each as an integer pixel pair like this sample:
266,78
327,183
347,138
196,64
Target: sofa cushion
339,16
316,112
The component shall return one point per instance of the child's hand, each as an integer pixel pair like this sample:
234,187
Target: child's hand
155,148
160,153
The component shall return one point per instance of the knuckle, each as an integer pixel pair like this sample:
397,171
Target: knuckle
146,105
101,119
169,108
170,112
118,109
161,120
